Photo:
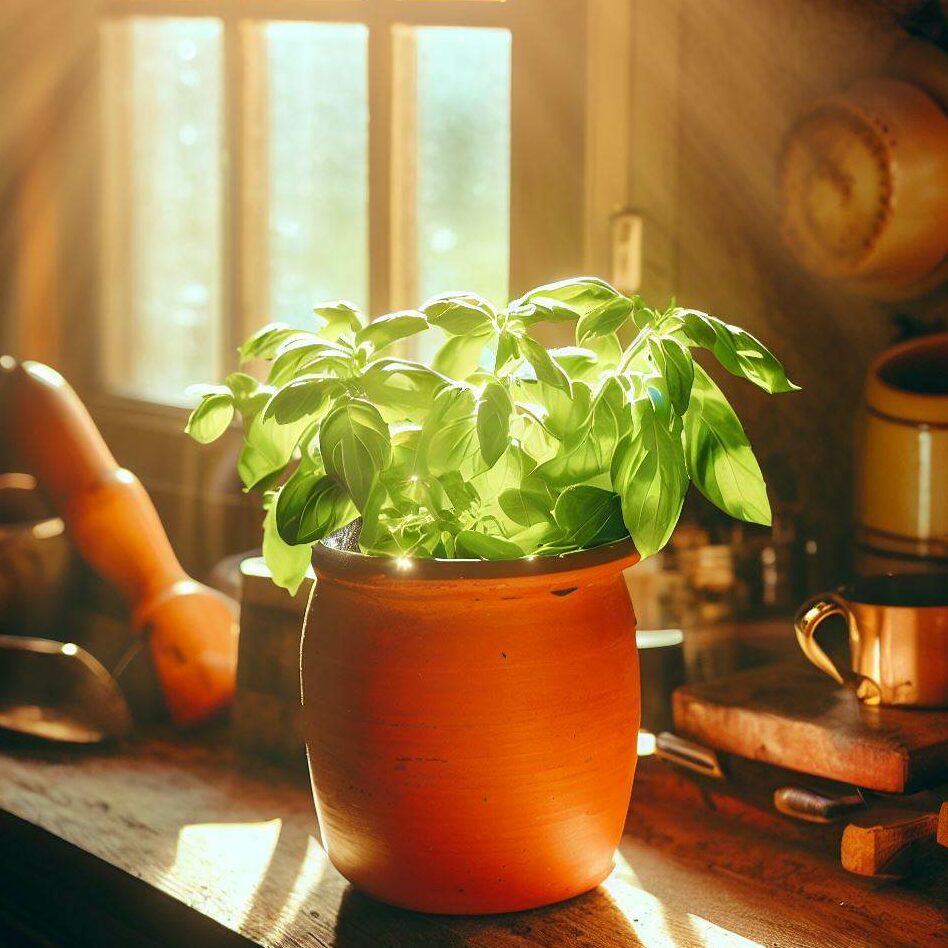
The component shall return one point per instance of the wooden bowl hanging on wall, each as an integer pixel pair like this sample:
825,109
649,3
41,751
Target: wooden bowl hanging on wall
864,189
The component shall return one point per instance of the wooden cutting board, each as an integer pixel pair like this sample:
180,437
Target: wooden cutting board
793,716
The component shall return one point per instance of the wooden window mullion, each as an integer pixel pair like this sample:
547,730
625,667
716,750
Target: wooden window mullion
232,217
380,153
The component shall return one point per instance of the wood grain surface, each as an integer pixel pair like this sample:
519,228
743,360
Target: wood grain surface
185,844
795,717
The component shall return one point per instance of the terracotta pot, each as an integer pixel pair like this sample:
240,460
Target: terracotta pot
902,505
471,726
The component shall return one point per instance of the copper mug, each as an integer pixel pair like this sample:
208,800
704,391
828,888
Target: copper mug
898,637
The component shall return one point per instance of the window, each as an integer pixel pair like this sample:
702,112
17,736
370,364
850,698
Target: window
264,155
316,149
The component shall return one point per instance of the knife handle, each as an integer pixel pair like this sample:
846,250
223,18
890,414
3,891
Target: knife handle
810,806
684,753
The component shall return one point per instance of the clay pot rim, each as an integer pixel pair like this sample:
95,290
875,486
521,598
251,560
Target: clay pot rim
903,404
352,566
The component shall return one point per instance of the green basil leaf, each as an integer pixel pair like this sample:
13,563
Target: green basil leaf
547,371
304,356
737,350
580,295
575,462
417,538
577,362
287,563
493,421
644,317
541,539
483,547
307,397
338,317
719,456
448,440
589,516
611,419
402,389
508,349
649,474
526,507
264,343
657,392
460,357
310,506
355,445
608,351
268,448
567,413
506,472
674,362
541,309
211,417
460,315
526,428
250,395
385,330
697,328
404,450
562,414
605,319
375,537
242,386
459,492
425,491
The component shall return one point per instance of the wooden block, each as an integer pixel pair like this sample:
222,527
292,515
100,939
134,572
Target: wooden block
883,844
792,716
267,717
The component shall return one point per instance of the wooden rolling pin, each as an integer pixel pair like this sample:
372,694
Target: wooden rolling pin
191,629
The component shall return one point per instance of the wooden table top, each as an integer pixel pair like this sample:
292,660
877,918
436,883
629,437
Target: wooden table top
167,842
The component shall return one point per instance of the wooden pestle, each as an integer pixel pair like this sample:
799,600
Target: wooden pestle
191,629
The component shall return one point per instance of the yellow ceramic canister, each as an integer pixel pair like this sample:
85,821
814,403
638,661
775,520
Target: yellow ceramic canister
902,467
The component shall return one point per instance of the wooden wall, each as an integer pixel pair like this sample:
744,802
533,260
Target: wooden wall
48,184
716,85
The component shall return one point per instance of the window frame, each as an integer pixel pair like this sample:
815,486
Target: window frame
546,237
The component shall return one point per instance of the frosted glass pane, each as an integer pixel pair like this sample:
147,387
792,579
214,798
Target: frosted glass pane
318,166
463,160
163,92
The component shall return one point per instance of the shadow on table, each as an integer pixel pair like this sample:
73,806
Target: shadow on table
593,918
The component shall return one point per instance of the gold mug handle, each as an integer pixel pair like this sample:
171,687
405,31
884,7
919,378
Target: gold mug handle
807,621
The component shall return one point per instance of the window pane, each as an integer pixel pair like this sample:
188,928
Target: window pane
453,132
163,205
318,166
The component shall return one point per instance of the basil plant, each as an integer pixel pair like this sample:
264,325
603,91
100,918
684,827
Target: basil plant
501,447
